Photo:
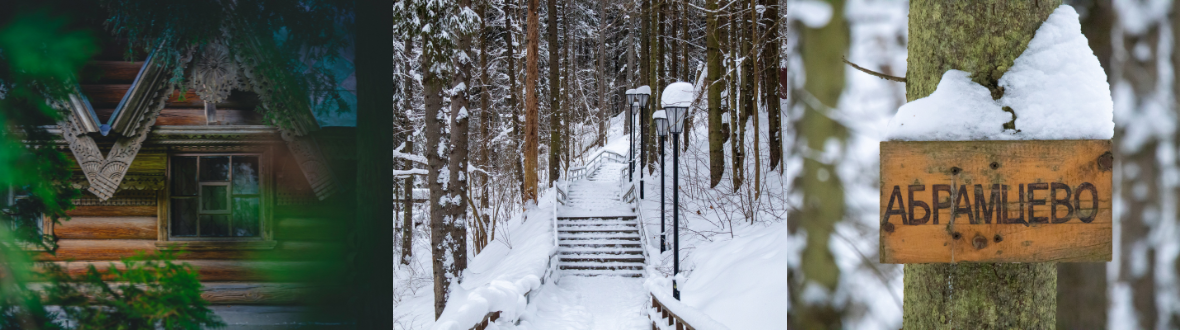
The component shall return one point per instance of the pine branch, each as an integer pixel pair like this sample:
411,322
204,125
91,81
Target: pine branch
874,73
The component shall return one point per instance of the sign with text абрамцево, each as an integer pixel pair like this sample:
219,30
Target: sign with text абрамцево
996,201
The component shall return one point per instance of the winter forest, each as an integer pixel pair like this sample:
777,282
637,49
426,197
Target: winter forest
589,164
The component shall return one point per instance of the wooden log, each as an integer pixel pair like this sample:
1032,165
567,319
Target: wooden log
176,117
237,100
111,72
113,250
211,270
107,228
254,293
236,293
113,211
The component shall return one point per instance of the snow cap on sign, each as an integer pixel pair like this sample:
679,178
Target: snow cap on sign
1056,90
678,94
643,90
659,114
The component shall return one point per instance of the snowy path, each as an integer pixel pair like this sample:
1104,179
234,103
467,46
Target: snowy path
592,303
601,283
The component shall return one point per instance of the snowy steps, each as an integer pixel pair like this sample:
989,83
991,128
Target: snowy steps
600,246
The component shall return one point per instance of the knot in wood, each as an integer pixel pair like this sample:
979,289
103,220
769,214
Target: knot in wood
979,242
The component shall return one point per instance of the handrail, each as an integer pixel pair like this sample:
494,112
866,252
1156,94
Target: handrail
580,172
677,321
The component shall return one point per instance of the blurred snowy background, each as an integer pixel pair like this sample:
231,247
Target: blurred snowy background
837,280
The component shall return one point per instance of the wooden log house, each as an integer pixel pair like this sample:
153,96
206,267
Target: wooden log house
200,172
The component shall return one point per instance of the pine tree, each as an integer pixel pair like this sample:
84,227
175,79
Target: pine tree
532,112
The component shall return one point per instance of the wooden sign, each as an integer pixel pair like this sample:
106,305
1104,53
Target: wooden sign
996,201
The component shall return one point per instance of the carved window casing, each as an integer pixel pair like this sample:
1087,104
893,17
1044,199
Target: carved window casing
218,197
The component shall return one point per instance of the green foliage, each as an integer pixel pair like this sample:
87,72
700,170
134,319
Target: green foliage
271,38
151,293
39,61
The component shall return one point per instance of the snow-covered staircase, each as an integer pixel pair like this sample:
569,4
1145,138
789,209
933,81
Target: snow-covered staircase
600,246
599,236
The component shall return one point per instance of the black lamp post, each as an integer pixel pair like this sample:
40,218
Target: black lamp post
641,95
675,100
631,135
661,120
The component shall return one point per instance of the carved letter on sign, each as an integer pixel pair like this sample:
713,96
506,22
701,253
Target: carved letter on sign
996,201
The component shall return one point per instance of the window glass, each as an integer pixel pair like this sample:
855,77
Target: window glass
245,217
184,176
215,169
214,225
245,175
184,217
216,196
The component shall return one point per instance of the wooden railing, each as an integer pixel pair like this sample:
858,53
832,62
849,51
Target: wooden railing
581,172
665,318
483,325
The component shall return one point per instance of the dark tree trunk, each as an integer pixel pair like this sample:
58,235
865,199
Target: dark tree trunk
983,37
517,166
713,80
455,221
1081,287
407,131
770,88
374,165
558,115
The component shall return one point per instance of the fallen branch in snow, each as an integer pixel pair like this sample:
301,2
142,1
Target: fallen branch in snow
409,172
874,73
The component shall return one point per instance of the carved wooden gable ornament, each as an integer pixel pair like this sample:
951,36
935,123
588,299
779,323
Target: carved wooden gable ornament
214,73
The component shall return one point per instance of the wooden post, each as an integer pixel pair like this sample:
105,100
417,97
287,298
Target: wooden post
983,37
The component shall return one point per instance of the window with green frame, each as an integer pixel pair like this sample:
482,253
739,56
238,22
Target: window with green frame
215,196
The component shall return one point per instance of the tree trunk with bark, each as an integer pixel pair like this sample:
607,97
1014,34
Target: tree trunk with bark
770,86
558,115
713,81
601,81
408,139
532,112
982,37
823,196
455,221
737,134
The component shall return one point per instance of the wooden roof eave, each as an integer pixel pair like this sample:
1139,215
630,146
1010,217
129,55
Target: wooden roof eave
133,118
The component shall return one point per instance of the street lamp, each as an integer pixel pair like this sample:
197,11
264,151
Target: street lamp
661,120
631,99
676,99
641,95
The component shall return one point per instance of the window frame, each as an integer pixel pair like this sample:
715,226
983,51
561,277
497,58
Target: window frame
265,238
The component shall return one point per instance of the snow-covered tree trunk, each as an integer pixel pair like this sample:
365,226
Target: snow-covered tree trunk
823,195
485,128
406,137
982,37
455,207
770,72
517,165
730,29
532,112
